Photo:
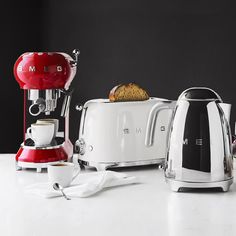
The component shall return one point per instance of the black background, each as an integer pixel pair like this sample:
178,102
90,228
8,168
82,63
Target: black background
165,46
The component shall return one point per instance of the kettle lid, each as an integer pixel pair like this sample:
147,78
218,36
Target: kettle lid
199,93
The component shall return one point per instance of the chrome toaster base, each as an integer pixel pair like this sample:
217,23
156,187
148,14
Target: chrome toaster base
105,165
179,185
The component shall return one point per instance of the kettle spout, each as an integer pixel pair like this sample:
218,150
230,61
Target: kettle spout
226,107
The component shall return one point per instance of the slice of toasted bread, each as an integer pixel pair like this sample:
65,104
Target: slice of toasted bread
128,92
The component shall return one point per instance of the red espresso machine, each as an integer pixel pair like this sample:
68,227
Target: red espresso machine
45,78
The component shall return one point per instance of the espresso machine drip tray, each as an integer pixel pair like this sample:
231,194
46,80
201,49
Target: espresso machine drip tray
58,141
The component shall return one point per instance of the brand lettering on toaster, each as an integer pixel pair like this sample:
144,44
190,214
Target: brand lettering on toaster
32,68
163,128
199,141
138,130
126,131
185,142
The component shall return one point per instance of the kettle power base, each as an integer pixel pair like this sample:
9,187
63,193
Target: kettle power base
176,186
105,165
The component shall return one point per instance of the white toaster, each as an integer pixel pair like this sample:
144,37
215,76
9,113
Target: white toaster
113,134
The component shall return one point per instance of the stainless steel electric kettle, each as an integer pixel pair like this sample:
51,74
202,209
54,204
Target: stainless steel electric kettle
199,153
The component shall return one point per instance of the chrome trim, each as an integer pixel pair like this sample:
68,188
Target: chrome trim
40,104
76,53
206,88
177,185
46,100
66,105
41,148
79,107
107,101
83,118
38,166
199,100
47,94
105,165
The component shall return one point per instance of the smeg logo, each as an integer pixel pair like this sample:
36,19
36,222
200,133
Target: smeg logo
128,131
34,68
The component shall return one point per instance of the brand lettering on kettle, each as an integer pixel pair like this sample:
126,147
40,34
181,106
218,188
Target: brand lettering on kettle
33,69
198,141
185,142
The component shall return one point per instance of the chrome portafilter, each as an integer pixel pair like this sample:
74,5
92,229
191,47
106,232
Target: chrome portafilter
37,107
43,101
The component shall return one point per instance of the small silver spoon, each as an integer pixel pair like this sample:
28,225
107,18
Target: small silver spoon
57,186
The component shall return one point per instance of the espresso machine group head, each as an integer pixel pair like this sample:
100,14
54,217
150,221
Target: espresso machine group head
45,78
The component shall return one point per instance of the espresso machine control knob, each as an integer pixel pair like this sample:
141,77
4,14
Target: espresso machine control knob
80,146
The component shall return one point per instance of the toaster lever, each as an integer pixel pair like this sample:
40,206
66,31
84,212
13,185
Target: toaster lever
152,118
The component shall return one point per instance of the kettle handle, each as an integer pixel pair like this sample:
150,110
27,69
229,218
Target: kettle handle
152,118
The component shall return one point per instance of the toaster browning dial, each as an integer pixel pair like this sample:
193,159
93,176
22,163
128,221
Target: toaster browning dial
80,146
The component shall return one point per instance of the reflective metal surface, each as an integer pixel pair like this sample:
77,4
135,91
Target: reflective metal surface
66,104
33,165
182,185
43,100
105,165
199,150
76,53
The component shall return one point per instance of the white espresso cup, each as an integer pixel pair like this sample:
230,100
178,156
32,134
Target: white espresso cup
63,173
41,134
53,121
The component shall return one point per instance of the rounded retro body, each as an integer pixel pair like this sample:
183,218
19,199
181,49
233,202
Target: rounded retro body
114,134
199,150
45,78
44,70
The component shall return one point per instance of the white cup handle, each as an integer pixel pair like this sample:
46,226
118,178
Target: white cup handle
29,132
77,170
